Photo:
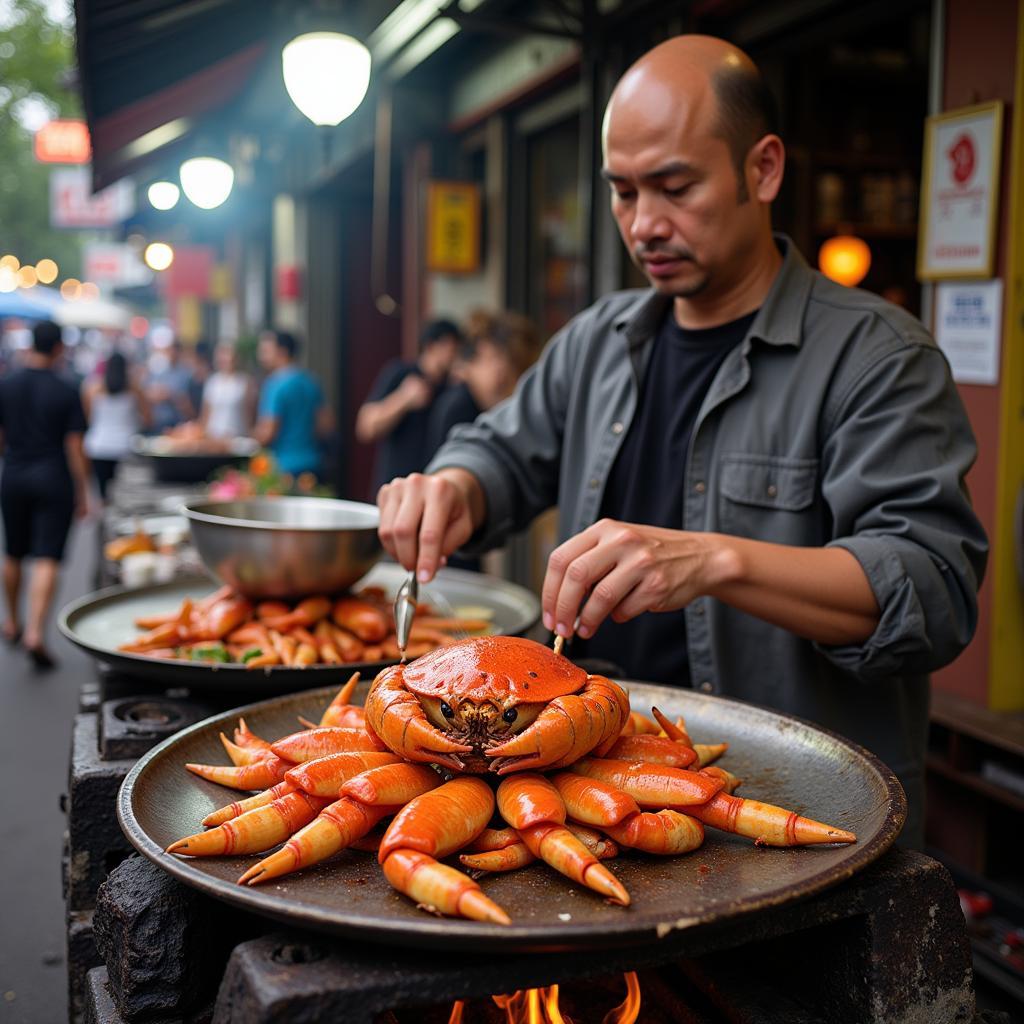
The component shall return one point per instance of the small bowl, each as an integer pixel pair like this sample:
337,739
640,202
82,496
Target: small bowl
286,547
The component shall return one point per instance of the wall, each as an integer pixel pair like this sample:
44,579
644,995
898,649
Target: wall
981,65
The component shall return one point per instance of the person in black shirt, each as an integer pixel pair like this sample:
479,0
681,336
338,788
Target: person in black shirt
397,412
44,482
500,349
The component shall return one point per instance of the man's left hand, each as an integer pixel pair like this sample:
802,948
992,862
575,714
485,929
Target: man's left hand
626,569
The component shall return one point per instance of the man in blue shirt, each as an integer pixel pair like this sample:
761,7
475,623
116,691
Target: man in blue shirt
292,415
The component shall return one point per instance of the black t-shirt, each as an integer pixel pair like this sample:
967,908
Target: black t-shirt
37,411
646,485
404,450
454,405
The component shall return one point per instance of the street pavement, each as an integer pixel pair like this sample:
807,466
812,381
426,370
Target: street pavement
36,712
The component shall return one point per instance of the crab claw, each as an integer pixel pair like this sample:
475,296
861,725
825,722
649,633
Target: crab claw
396,716
569,728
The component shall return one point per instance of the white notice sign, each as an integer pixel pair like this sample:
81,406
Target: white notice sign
968,322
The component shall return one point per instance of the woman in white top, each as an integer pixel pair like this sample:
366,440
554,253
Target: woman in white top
116,411
228,397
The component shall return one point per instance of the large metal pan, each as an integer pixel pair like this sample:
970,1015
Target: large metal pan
177,464
782,760
99,622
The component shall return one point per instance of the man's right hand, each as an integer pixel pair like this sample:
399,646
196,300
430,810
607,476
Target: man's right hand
423,519
415,392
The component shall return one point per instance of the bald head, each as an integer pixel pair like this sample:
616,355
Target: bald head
705,81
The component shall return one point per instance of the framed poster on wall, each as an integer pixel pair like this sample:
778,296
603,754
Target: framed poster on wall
960,193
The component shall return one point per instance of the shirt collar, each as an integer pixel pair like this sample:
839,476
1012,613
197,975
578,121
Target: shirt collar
778,322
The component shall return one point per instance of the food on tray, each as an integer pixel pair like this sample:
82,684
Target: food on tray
116,549
225,628
581,776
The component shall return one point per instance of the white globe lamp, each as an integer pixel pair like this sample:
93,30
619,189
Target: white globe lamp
326,75
206,181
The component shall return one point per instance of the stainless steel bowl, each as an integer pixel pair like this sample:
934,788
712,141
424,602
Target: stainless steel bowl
285,547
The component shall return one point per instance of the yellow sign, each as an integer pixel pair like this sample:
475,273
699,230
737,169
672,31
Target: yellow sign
453,227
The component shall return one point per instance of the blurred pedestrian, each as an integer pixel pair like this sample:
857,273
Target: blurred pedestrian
397,412
500,349
228,397
293,417
116,410
44,482
167,386
200,368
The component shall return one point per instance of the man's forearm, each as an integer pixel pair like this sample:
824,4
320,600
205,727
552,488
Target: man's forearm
377,419
818,593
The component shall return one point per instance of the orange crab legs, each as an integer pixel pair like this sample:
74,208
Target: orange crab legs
346,820
432,826
567,729
535,809
767,824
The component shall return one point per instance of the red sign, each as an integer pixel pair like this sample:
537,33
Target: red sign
189,274
63,142
961,153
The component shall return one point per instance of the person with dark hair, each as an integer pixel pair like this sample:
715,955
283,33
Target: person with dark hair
200,368
499,349
44,482
760,474
167,386
116,410
396,414
293,417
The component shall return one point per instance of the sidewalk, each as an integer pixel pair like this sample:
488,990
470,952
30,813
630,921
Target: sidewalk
36,710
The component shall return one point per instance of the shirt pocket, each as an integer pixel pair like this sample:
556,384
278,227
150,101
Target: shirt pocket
768,497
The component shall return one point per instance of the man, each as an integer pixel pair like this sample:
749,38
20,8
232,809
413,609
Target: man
45,482
167,386
771,461
397,412
292,415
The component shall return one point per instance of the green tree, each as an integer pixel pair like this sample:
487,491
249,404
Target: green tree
36,69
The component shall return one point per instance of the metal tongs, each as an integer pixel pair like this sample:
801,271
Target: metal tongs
405,610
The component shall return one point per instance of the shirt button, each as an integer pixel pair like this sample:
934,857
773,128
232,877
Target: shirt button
772,490
617,428
699,487
705,686
594,483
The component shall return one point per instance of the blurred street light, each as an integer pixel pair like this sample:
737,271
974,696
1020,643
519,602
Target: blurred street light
206,180
71,289
326,75
90,290
163,195
27,277
10,263
46,271
8,279
158,255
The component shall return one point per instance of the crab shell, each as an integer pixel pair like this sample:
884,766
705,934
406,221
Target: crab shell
494,704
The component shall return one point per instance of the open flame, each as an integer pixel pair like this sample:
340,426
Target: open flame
540,1006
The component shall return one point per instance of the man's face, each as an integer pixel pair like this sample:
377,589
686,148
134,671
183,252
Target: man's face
267,352
675,194
438,357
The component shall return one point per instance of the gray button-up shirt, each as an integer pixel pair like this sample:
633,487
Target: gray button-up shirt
834,423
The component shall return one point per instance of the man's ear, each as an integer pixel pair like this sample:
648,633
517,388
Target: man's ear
766,163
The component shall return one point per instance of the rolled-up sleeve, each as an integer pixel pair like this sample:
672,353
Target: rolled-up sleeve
896,454
515,448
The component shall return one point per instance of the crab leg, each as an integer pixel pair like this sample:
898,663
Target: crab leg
337,826
340,710
390,784
241,754
222,618
397,717
567,729
324,776
493,839
653,750
439,887
238,807
442,821
245,737
653,787
307,613
369,624
708,752
664,832
311,743
732,782
259,775
535,809
254,831
766,824
593,802
508,858
641,725
329,653
596,842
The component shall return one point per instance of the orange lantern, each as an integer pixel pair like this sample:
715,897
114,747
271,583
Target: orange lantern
845,259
